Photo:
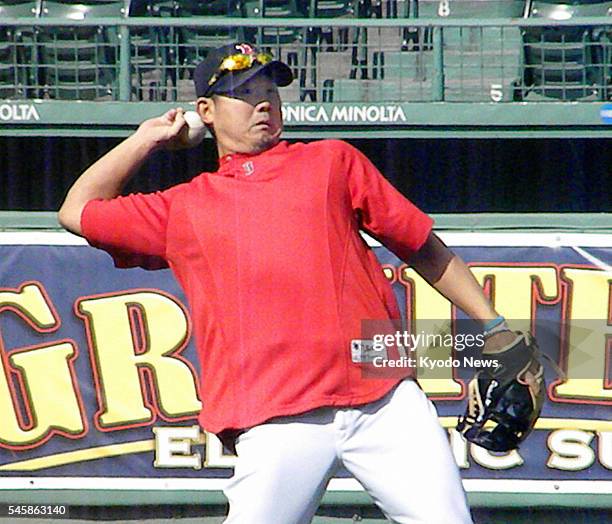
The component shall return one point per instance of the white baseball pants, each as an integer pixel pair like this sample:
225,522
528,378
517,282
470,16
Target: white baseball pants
394,447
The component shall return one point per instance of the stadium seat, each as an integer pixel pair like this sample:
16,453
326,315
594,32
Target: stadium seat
18,73
198,40
480,63
373,91
79,62
286,43
566,9
152,55
274,37
330,9
477,9
567,63
19,8
323,38
193,43
331,40
470,8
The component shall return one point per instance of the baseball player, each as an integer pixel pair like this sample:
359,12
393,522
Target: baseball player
278,279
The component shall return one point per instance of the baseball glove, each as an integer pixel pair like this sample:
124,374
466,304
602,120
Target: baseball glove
504,402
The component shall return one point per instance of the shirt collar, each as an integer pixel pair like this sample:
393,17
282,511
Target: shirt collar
228,163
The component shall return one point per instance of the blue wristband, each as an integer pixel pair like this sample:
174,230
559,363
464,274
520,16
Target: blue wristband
492,324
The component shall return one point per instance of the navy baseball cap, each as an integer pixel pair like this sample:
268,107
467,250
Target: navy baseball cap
230,66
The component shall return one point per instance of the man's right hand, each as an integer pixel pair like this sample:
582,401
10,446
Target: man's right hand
163,132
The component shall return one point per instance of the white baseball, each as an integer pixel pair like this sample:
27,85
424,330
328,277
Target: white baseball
196,130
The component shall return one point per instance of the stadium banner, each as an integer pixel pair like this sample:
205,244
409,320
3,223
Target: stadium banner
28,113
98,371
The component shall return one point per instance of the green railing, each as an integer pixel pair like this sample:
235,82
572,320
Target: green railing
424,73
371,60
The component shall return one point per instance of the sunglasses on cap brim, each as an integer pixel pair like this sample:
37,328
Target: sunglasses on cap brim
239,62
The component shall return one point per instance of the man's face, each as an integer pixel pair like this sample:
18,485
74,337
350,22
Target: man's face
246,120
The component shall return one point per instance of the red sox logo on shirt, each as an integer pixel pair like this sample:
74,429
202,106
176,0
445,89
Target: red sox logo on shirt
249,168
